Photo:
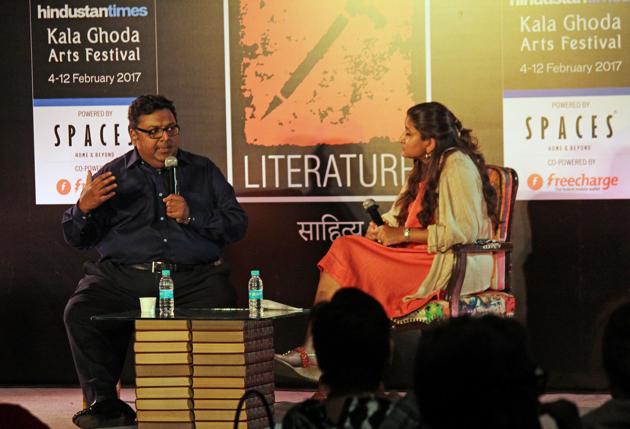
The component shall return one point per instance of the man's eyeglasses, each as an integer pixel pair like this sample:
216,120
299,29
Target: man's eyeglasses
157,133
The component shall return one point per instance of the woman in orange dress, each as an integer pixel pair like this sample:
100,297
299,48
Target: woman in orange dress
407,262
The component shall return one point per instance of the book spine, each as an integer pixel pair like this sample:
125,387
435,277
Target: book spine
232,370
219,393
231,404
163,392
258,333
169,370
233,382
245,335
228,325
166,425
164,404
161,347
248,346
165,416
229,415
162,325
250,424
162,336
244,358
162,358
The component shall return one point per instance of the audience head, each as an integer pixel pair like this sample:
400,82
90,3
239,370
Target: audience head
477,373
352,341
616,350
147,104
15,416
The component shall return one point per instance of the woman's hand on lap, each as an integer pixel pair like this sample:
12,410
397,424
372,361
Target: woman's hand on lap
372,232
389,236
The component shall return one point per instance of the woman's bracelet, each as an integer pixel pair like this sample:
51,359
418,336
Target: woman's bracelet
407,234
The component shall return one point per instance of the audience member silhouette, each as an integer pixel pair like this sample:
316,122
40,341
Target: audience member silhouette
351,337
14,416
474,373
615,413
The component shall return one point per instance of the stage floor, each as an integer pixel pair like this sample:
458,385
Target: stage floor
56,406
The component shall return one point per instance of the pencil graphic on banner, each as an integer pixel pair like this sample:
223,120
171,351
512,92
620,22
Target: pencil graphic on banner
311,59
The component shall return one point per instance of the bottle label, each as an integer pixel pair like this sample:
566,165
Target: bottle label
166,294
256,294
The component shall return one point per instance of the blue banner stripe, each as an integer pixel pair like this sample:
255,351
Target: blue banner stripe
564,92
39,102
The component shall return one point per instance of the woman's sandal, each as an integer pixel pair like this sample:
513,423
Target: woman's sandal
298,357
296,367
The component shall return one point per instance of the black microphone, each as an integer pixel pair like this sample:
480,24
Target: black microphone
371,208
171,168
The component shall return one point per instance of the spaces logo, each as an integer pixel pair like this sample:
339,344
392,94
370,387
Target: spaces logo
581,182
82,12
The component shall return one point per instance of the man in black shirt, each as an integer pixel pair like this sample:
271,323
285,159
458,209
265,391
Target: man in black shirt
126,212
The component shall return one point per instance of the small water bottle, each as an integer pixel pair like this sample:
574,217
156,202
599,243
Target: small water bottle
167,298
255,289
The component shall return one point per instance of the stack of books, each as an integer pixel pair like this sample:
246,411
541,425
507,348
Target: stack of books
230,357
163,374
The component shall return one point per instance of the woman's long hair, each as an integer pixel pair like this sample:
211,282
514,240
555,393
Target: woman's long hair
434,120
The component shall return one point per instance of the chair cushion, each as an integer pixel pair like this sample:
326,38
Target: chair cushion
432,311
488,302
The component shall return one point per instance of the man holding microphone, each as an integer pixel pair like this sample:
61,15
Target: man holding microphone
139,228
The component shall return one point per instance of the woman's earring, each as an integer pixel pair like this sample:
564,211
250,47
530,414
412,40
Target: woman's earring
427,155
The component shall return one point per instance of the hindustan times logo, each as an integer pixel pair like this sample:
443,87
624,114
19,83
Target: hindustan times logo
64,186
583,182
545,2
111,11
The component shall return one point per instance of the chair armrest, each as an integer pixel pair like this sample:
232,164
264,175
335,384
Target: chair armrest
460,252
483,246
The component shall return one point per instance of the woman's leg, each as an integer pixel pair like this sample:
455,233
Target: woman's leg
326,288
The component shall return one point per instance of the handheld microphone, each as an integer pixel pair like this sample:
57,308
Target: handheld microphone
171,168
371,208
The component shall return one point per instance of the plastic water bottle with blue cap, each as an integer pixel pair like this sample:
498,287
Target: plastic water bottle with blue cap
167,296
255,292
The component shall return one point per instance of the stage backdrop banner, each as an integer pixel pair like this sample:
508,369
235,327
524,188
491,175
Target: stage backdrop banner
89,60
318,107
320,103
566,107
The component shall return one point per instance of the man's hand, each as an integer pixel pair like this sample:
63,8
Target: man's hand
176,208
97,191
389,235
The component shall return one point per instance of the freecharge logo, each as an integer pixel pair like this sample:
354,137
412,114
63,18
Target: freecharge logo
582,182
535,181
63,187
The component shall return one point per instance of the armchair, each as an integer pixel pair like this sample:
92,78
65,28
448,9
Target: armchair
498,299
